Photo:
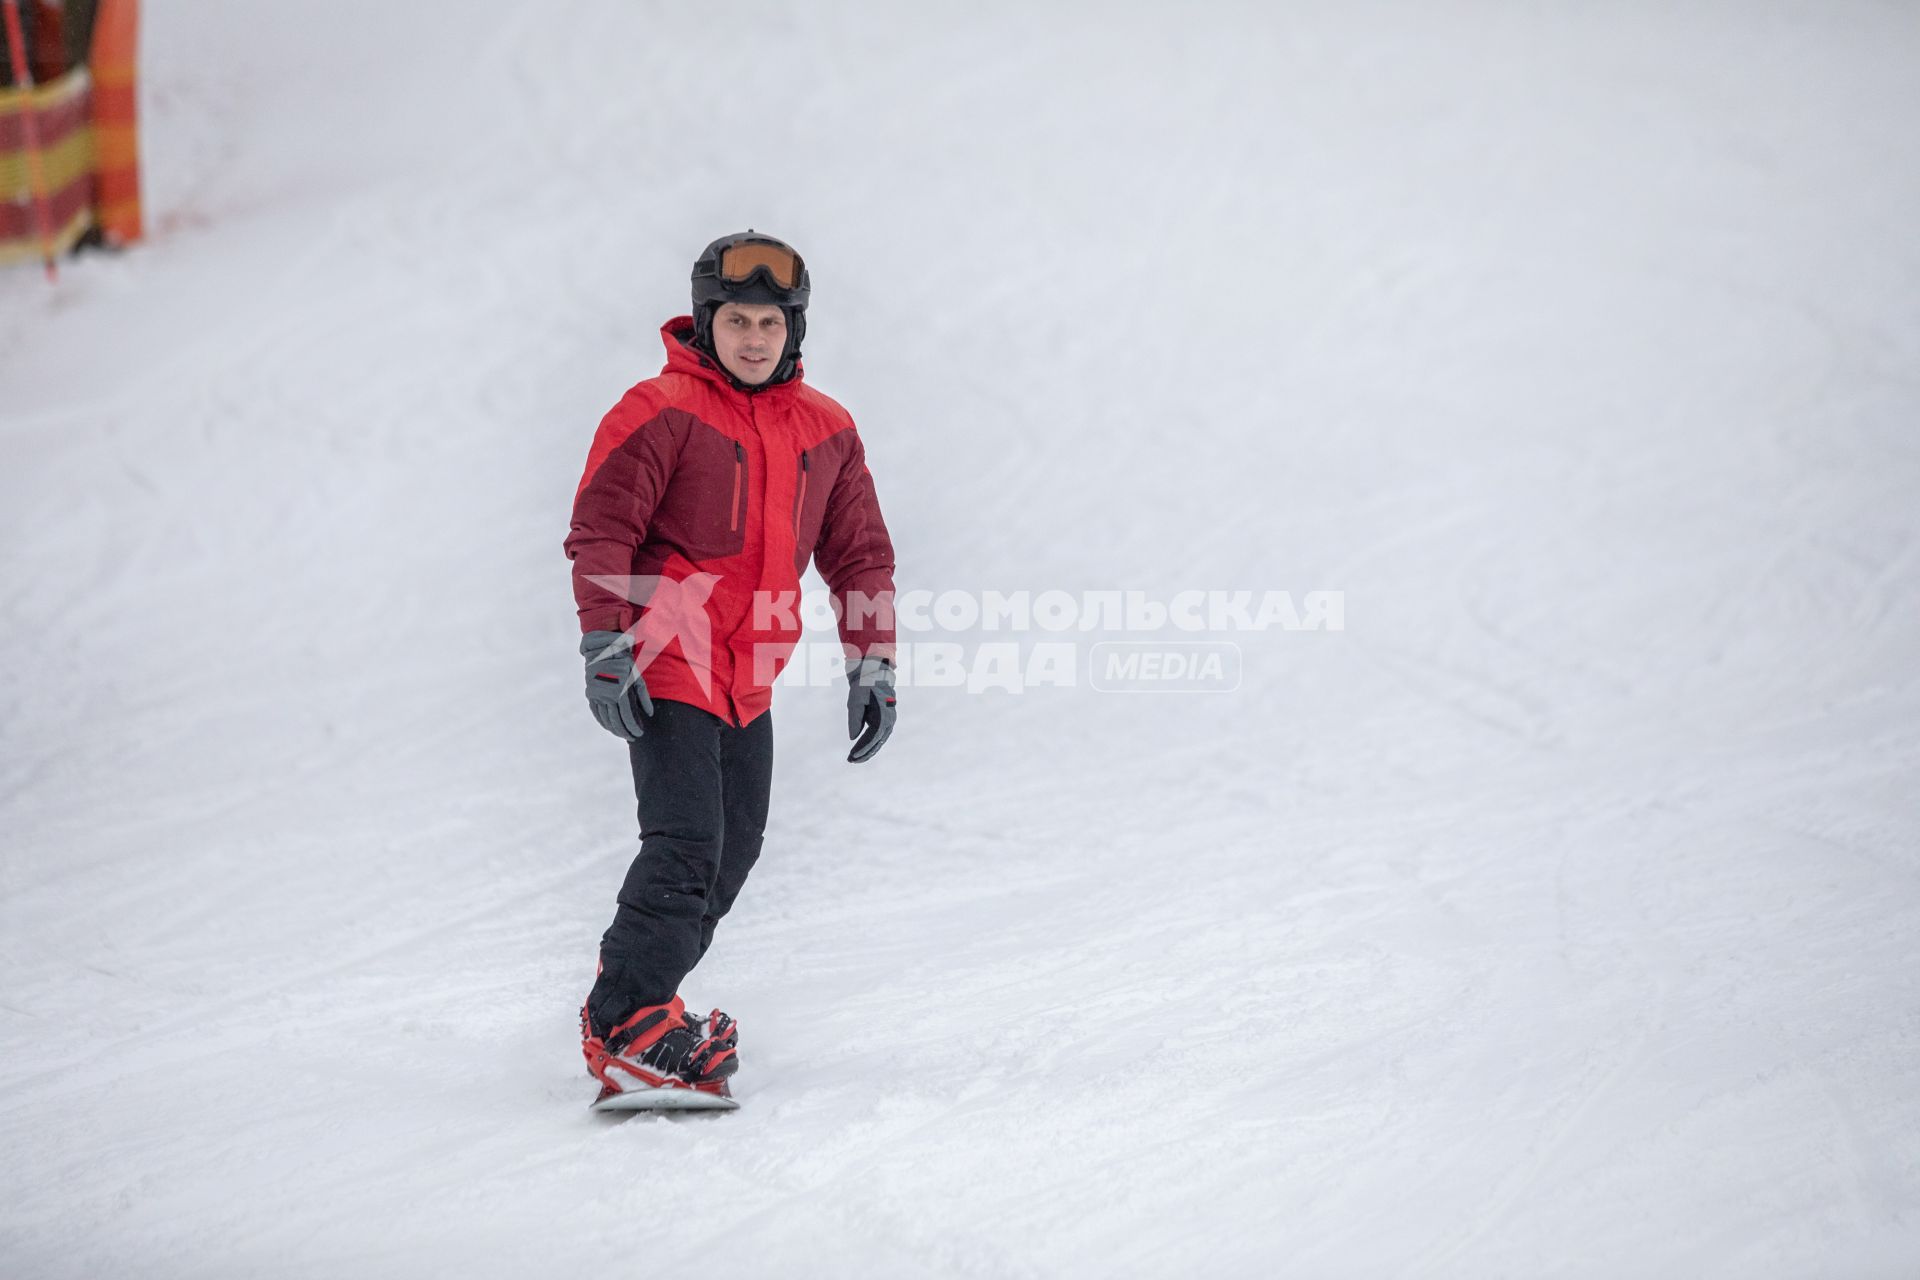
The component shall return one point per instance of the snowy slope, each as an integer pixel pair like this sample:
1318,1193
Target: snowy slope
1559,916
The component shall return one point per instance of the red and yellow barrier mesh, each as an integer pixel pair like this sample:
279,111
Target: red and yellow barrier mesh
61,110
69,148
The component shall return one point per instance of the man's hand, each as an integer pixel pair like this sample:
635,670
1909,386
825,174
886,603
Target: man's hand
869,707
615,690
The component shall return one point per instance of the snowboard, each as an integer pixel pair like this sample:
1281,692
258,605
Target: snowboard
664,1099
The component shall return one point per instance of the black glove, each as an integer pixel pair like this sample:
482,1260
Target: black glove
869,706
615,690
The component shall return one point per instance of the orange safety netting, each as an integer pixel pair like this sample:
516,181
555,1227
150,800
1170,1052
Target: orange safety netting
116,120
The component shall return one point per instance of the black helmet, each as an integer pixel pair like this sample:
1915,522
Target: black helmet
751,267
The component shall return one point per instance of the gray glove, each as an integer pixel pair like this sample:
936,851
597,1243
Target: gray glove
869,707
615,690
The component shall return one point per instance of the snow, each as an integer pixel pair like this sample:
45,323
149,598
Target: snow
1559,915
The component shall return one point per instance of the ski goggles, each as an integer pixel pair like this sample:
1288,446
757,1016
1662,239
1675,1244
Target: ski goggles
740,262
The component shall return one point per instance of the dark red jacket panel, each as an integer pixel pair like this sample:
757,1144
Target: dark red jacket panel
698,511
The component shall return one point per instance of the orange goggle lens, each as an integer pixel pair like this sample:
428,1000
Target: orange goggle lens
739,262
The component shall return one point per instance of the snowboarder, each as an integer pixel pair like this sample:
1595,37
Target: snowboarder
707,491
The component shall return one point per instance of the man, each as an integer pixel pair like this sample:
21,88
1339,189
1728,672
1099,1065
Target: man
706,492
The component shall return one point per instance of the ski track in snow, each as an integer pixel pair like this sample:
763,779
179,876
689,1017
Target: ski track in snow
1557,917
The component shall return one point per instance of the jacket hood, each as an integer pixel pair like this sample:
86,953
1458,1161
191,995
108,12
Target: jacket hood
684,357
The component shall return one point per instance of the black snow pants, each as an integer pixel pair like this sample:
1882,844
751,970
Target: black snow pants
703,787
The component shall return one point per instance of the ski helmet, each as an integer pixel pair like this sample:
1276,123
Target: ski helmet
749,266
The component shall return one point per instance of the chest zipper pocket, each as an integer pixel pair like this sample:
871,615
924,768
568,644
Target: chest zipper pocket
739,478
800,498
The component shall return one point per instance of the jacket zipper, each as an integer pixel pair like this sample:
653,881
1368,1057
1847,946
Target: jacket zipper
800,500
739,474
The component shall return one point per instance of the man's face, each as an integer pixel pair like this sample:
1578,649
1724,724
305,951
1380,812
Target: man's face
749,337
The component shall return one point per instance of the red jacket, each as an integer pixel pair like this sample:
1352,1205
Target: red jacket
698,512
